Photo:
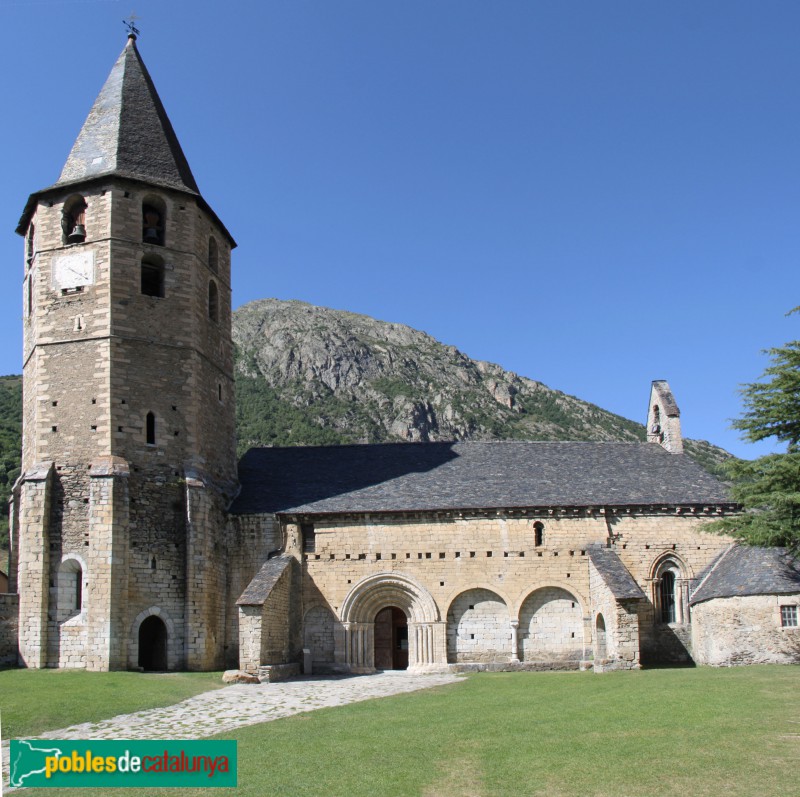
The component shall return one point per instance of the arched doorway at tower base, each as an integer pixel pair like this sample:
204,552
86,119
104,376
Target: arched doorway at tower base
153,644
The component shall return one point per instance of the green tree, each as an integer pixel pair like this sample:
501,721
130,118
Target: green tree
769,487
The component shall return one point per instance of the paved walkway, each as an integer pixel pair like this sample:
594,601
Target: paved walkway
246,704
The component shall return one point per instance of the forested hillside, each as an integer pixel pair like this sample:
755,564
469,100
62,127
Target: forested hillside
10,447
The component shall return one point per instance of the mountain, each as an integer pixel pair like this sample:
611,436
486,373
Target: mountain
309,375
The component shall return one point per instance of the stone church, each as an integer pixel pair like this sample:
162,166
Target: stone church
138,541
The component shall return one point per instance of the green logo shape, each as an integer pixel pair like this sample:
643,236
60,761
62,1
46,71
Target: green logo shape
114,764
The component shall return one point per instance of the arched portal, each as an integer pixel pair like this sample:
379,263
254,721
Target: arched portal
367,599
391,639
153,644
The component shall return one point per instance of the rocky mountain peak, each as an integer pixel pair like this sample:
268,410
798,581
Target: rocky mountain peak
312,375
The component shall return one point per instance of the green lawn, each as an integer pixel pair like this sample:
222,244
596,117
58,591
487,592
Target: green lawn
700,732
33,701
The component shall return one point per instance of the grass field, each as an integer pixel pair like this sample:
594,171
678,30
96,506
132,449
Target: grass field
699,732
33,701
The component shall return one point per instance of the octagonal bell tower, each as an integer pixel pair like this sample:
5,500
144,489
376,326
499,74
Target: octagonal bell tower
128,432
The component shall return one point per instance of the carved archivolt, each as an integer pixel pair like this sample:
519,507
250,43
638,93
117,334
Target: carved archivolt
377,592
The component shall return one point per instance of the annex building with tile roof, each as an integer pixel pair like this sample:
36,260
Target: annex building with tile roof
138,541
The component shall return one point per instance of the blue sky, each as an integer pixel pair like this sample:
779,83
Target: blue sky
591,194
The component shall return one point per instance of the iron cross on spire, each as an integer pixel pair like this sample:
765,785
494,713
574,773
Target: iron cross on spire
129,24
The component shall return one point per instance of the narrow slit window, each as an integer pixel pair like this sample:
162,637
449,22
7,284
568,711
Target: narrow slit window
151,429
213,301
78,588
30,245
538,534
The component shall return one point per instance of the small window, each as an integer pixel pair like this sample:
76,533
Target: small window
309,537
213,301
69,584
30,244
213,254
667,597
152,277
789,616
29,296
73,221
153,217
151,429
538,534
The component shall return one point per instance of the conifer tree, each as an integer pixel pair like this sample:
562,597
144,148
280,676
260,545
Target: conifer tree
769,487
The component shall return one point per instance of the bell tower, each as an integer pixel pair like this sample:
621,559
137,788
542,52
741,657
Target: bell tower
664,418
128,404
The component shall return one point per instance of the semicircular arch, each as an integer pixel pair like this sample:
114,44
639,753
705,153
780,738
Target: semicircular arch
378,591
478,585
667,560
579,597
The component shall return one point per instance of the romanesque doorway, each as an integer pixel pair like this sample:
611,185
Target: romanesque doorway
391,639
153,644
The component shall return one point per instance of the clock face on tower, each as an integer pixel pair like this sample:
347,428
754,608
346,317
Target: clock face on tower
73,271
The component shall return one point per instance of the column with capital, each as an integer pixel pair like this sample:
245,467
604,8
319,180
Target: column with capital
514,659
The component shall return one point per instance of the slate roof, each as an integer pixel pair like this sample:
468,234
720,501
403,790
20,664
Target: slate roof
615,574
744,570
127,134
468,475
258,589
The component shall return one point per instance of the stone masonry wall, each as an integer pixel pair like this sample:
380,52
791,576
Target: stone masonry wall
318,637
251,626
250,538
745,630
551,627
448,555
478,628
34,566
276,638
621,620
206,563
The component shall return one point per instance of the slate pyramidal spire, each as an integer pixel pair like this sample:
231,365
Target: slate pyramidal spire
127,134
